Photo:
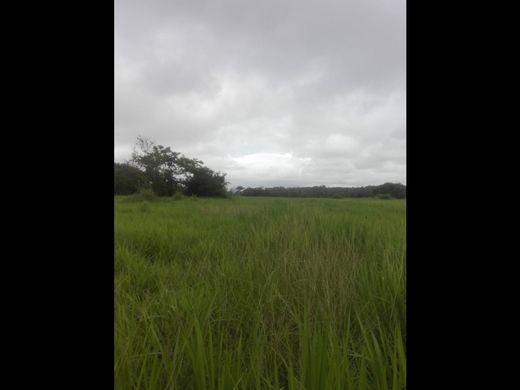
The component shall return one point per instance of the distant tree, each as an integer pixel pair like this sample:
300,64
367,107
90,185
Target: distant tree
202,181
388,189
159,165
127,179
395,190
167,172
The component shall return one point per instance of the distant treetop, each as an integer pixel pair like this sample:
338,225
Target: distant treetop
386,190
165,172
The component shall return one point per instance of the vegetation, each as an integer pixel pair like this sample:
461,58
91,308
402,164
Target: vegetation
128,179
387,190
144,195
260,293
165,172
204,182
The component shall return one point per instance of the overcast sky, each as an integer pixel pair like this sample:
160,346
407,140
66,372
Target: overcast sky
272,92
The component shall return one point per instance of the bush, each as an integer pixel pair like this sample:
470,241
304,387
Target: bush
178,195
205,182
127,179
144,195
384,196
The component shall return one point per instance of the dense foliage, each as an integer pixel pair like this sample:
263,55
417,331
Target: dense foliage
127,179
387,190
204,182
165,172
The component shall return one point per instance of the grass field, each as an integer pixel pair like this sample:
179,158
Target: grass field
260,293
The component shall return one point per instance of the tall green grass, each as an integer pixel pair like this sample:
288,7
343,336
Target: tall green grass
260,293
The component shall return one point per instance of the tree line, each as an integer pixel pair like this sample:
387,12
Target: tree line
165,172
386,190
159,169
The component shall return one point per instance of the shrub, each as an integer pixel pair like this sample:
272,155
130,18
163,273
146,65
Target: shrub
384,196
144,195
178,195
127,179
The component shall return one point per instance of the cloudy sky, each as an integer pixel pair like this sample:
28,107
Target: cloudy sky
272,92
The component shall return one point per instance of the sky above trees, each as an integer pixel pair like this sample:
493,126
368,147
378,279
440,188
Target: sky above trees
290,93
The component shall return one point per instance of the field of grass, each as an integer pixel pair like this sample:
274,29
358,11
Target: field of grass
260,293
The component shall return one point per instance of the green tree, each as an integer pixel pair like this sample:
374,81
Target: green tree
127,179
167,172
202,181
159,164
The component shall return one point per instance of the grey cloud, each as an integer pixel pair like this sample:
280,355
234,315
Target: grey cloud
273,93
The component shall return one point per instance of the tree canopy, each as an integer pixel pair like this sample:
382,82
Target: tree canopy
127,179
165,172
387,190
